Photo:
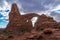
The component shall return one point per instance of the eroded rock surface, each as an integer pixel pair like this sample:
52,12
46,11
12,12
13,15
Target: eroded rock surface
20,27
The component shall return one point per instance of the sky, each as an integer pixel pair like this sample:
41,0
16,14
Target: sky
48,7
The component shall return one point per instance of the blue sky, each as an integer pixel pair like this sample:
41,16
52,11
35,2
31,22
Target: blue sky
48,7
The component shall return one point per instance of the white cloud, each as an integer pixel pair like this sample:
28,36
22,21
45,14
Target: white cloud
5,7
56,8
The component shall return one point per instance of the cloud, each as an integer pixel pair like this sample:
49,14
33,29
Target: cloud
1,15
1,3
56,16
38,5
34,5
56,8
3,24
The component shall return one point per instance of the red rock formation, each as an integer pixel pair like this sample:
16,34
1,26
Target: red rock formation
42,26
17,21
45,22
14,13
44,18
14,18
45,28
30,15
